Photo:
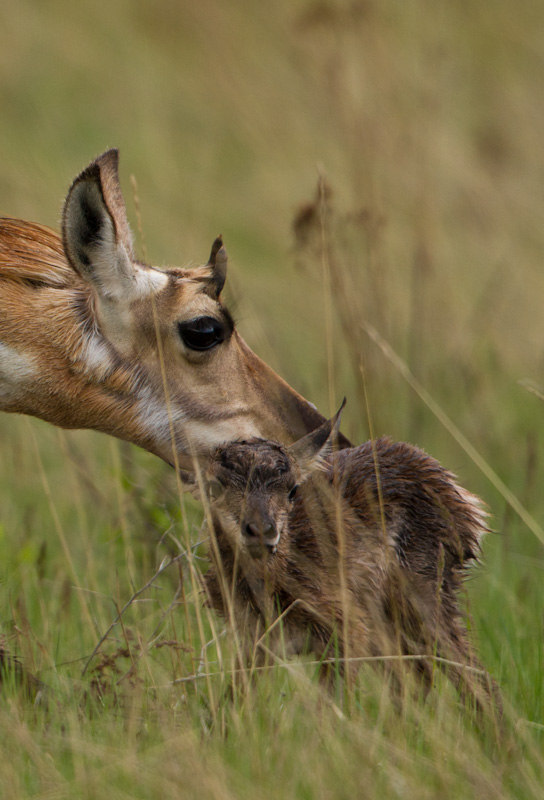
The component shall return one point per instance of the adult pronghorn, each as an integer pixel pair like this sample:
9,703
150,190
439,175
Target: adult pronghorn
90,337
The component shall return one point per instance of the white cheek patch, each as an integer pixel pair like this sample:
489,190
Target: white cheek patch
97,358
209,435
154,417
193,436
16,372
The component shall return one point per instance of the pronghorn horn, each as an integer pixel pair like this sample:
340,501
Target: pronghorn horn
218,262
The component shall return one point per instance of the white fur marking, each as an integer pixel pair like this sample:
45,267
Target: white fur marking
16,370
149,281
155,421
154,417
97,357
208,435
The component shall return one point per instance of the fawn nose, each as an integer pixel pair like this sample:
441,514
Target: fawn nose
263,533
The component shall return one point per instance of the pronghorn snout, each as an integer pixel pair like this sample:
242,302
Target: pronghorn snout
261,535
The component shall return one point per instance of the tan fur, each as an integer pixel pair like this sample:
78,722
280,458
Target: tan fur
79,324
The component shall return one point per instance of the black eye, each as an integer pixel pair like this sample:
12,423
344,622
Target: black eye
202,333
292,494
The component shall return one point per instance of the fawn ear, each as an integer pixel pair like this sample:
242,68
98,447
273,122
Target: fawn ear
310,451
96,234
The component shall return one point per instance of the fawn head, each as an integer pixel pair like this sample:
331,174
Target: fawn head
251,486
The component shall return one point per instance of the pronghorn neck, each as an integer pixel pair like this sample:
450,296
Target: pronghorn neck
54,362
91,338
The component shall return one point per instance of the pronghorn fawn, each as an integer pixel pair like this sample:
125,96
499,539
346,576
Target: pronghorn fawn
90,337
351,555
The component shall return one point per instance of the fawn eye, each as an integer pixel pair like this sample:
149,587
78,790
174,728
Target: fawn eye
201,333
292,494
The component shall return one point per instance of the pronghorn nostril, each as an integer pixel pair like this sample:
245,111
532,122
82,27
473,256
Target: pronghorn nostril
264,532
251,529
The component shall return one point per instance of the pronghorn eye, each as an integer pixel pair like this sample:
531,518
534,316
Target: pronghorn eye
202,333
292,494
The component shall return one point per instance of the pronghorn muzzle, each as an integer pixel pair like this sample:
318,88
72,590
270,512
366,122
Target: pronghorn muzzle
260,535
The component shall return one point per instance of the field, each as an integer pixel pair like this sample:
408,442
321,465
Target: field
376,169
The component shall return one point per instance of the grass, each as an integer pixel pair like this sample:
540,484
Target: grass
423,120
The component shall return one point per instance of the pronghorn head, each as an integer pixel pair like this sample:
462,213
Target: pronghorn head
90,337
251,486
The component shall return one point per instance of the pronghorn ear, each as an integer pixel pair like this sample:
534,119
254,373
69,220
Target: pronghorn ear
95,229
310,451
217,264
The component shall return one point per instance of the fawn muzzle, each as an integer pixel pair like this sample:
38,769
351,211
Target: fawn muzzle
260,535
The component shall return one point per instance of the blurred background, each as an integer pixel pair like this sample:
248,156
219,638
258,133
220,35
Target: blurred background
425,119
368,163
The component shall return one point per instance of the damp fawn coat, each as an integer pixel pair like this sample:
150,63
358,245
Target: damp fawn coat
348,555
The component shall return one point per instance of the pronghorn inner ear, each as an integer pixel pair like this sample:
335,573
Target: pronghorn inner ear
310,451
95,229
217,263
